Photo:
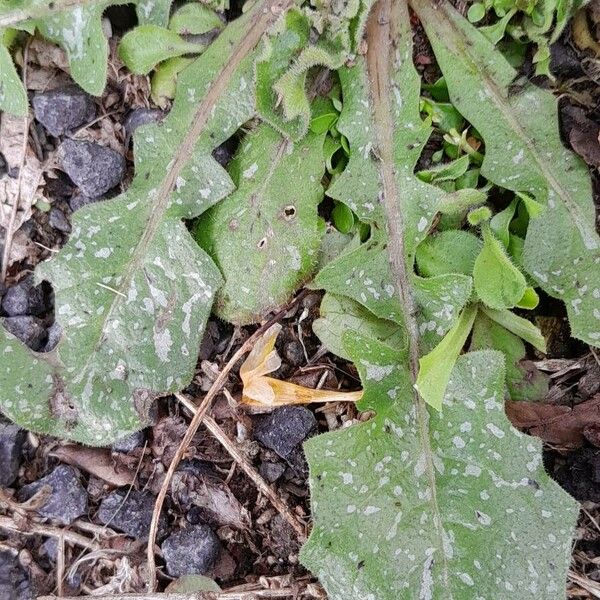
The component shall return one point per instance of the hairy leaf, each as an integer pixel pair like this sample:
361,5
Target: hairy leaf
133,290
403,505
13,98
524,153
265,236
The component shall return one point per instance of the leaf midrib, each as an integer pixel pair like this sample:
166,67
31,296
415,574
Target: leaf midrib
265,13
382,37
426,13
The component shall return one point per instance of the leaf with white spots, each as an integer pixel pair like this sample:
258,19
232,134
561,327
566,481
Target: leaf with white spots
524,153
133,290
265,237
471,513
77,26
417,502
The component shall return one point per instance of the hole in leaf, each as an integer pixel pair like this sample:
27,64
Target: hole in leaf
262,243
289,212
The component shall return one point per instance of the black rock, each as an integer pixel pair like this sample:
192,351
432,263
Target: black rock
54,334
30,330
59,221
294,353
62,110
129,443
68,498
12,439
285,428
24,298
14,579
141,116
130,513
191,551
76,202
271,471
95,169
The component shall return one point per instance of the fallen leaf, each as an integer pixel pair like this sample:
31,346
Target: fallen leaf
557,424
260,390
97,461
22,181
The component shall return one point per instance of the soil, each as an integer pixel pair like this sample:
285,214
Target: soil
252,546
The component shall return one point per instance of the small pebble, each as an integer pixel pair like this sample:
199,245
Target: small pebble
30,330
68,499
62,110
59,221
54,335
76,202
271,471
130,513
285,428
12,439
14,579
24,298
141,116
129,443
93,168
191,551
294,353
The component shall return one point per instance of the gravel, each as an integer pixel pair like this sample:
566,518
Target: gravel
130,513
68,498
271,471
93,168
64,109
14,579
59,221
24,298
76,202
30,330
191,551
54,334
141,116
12,439
285,429
129,443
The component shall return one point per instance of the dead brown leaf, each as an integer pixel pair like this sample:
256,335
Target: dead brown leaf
556,424
97,461
21,185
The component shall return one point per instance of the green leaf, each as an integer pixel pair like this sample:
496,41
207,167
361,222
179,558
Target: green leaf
132,288
342,217
77,27
410,505
498,283
13,98
524,153
192,583
517,325
280,50
145,46
195,19
435,367
265,236
523,380
500,222
530,299
448,252
445,172
164,80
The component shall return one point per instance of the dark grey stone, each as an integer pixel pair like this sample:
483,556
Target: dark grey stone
76,202
271,471
62,110
12,439
285,428
14,579
68,499
130,513
54,335
59,221
129,443
24,298
294,353
141,116
93,168
191,551
30,330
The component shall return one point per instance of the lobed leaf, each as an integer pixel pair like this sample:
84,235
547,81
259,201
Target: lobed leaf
133,290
